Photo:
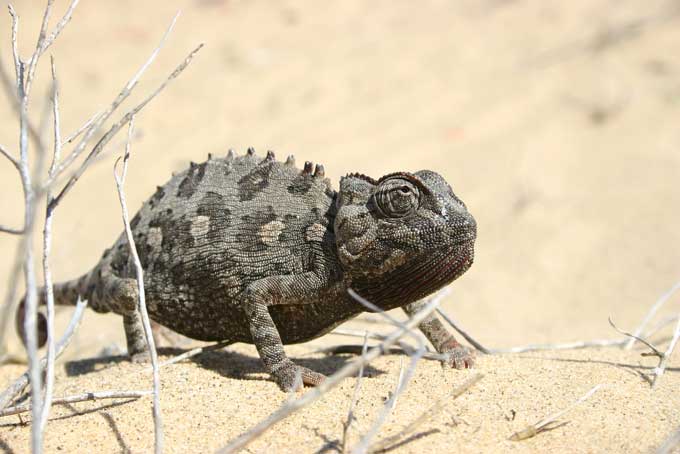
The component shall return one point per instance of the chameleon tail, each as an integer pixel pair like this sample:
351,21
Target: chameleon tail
65,294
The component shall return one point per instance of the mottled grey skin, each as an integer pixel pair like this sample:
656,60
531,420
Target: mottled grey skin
254,250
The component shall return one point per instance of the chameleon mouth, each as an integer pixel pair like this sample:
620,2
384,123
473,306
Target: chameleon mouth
411,283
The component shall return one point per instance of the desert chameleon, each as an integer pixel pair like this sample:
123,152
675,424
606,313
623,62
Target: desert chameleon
251,249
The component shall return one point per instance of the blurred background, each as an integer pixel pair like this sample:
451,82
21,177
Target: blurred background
558,123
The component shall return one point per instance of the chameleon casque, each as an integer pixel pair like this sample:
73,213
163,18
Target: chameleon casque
250,249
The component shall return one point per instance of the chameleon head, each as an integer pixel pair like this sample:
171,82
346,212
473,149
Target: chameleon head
402,237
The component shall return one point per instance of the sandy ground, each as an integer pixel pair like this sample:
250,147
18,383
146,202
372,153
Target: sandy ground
556,122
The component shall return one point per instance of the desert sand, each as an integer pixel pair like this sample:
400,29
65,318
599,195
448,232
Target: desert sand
556,122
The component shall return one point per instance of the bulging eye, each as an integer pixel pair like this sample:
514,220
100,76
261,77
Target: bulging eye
397,197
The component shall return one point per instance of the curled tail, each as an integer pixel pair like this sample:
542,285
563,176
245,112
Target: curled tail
65,294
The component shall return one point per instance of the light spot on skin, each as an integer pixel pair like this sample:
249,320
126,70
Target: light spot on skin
200,226
155,237
394,261
269,232
315,233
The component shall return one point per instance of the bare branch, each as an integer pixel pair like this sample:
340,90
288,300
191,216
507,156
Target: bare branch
194,352
47,246
331,382
106,114
652,311
60,25
355,397
5,153
115,128
660,369
75,134
670,443
465,335
33,61
655,351
9,394
386,443
18,65
80,398
11,231
120,181
387,409
543,424
576,345
400,348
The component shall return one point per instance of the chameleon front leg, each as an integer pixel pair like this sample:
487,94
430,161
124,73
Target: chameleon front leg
258,297
441,339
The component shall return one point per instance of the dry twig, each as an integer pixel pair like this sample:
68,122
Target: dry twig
79,398
391,403
331,382
652,311
386,443
670,443
355,397
139,271
193,352
545,423
47,246
9,394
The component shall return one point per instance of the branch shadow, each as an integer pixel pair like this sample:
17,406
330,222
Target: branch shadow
636,369
227,363
76,412
114,427
5,448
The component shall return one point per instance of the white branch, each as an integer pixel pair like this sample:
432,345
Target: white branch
9,394
652,311
120,180
331,382
79,398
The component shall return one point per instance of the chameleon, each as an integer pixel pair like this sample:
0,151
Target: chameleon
255,250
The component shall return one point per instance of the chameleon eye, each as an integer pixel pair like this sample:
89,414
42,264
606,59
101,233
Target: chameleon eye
397,197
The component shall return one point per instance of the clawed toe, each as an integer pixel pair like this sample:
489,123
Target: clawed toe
290,376
460,357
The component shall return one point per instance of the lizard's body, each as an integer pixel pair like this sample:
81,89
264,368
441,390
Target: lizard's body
253,250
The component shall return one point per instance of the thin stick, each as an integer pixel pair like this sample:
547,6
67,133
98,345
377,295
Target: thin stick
193,352
661,368
11,230
120,180
331,382
9,394
75,134
122,96
428,414
355,397
652,311
563,346
47,246
670,443
31,307
540,426
388,408
400,348
79,398
465,335
117,126
12,159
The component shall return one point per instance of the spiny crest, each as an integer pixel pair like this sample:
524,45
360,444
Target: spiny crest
307,170
290,161
361,176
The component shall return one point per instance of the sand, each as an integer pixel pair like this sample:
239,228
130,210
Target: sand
556,122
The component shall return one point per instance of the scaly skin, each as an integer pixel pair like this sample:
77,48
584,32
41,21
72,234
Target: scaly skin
254,250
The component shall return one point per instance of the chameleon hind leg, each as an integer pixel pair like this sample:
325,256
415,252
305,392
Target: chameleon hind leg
120,295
